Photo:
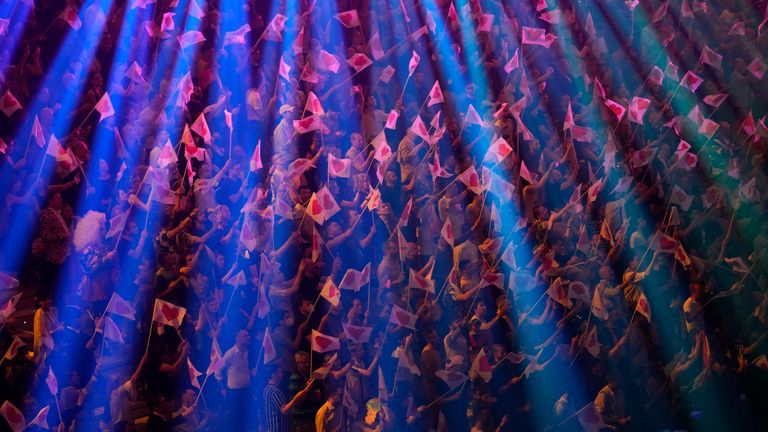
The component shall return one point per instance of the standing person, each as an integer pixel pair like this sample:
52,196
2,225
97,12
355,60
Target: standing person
121,398
276,408
303,410
238,385
328,417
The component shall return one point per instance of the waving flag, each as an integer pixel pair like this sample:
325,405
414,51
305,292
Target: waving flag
323,343
104,107
415,280
637,108
41,418
451,378
376,50
357,334
348,19
537,36
322,371
359,62
339,167
13,349
482,367
168,313
402,318
643,308
435,95
413,63
200,127
691,81
616,108
13,416
328,62
268,347
167,156
331,292
119,306
9,104
354,280
190,38
37,132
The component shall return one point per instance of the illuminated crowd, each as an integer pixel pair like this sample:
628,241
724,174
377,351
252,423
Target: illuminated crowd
368,216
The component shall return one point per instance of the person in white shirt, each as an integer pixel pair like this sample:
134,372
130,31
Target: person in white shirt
238,385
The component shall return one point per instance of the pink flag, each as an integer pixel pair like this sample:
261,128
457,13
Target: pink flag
190,38
486,23
167,22
710,57
471,180
168,313
112,331
637,109
656,76
757,68
357,334
513,63
269,347
323,343
309,124
328,62
104,107
194,374
616,108
167,156
472,117
392,119
482,367
200,127
691,81
413,63
376,50
313,104
348,19
387,74
447,232
52,382
664,243
359,62
70,16
525,173
284,70
420,129
119,306
331,292
568,123
237,37
643,308
9,104
37,132
13,349
435,95
195,10
339,167
537,36
715,100
13,416
402,317
41,418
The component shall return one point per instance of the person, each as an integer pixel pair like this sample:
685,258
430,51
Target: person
121,399
238,384
328,417
609,405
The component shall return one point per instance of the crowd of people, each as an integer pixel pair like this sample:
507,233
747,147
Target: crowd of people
370,216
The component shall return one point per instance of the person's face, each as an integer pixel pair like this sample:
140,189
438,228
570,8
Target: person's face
288,320
243,338
304,194
390,178
480,310
302,363
56,201
306,307
498,353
